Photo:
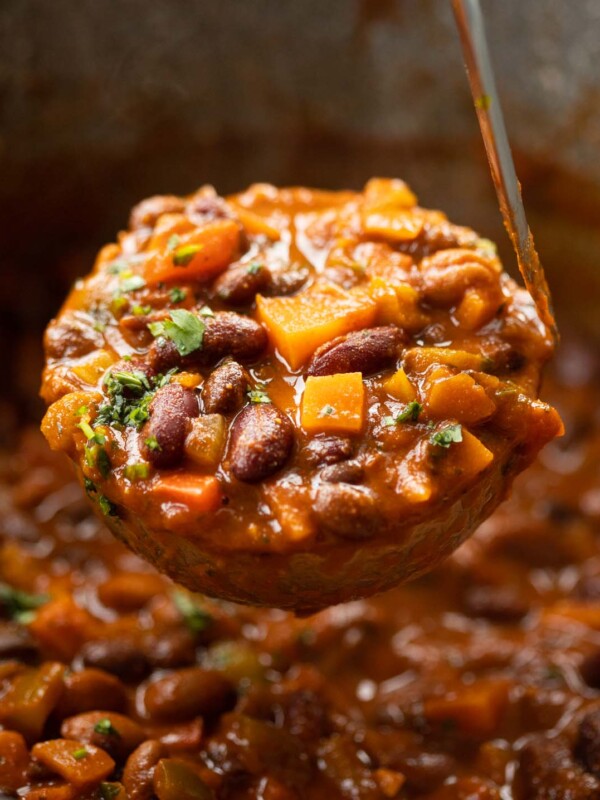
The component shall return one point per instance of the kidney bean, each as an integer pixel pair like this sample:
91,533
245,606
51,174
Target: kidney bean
171,409
322,450
261,442
343,472
345,510
205,207
226,334
139,770
548,769
286,281
170,649
89,689
16,642
188,693
71,336
587,743
495,603
119,655
225,388
240,284
366,351
116,734
130,591
590,669
146,213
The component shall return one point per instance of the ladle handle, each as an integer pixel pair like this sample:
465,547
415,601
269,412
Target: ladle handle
469,19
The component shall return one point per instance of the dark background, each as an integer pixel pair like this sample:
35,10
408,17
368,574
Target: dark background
105,101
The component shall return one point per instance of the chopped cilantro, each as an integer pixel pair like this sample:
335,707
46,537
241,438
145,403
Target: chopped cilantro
253,268
152,443
183,255
137,472
141,311
18,605
108,509
177,295
89,486
258,396
108,791
106,728
81,411
206,311
447,436
173,242
118,266
194,616
80,753
132,283
327,411
90,434
184,329
136,381
410,413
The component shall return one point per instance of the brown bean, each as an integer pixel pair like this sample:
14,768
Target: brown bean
89,689
548,769
495,603
146,213
587,743
262,438
139,770
16,642
116,734
324,450
206,206
590,669
170,649
71,336
240,284
119,655
130,591
225,388
188,693
343,472
345,510
171,409
287,280
366,351
448,274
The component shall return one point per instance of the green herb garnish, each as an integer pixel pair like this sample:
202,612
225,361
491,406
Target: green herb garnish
206,311
152,443
177,295
253,268
141,311
183,255
194,616
258,396
80,753
410,413
20,606
327,411
184,329
173,241
132,283
106,728
137,472
108,791
447,436
108,509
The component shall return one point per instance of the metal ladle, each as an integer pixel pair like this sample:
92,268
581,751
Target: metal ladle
469,19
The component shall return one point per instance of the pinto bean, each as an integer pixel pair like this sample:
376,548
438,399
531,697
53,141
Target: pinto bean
343,472
146,213
116,734
345,510
367,351
119,655
139,770
188,693
240,284
587,743
89,689
170,412
225,388
261,442
71,336
324,450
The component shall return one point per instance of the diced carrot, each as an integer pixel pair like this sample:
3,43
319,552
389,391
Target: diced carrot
80,764
298,325
31,696
257,225
476,709
63,627
459,397
14,759
91,368
199,254
167,226
333,403
400,387
200,493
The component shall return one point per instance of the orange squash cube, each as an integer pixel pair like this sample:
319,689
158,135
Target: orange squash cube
459,397
333,403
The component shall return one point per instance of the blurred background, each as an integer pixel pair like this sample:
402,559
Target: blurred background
103,103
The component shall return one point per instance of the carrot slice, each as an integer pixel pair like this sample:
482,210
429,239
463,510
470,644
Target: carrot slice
333,403
197,255
200,493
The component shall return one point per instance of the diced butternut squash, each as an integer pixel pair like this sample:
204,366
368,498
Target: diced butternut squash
62,627
200,493
298,325
419,359
256,225
410,317
199,254
389,191
188,379
467,458
14,760
30,698
400,387
397,303
475,310
291,505
205,442
333,403
459,397
390,781
92,368
394,225
476,709
587,614
63,417
80,764
53,791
